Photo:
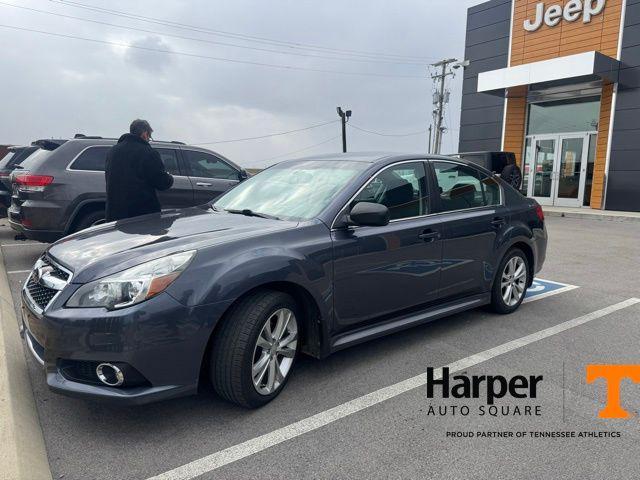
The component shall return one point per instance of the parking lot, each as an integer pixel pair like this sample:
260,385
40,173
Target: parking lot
327,425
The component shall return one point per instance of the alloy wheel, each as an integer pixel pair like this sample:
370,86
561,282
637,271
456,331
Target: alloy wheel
275,351
514,281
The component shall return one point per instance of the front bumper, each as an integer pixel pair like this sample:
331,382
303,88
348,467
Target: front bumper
162,339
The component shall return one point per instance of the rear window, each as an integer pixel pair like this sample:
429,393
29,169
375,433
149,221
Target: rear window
92,159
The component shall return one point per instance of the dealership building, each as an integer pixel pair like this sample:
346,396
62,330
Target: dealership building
558,83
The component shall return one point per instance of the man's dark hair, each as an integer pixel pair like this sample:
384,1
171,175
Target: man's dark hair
138,127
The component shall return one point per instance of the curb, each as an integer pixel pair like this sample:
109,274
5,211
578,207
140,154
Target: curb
22,449
593,216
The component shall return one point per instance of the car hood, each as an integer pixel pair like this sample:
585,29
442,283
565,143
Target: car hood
113,247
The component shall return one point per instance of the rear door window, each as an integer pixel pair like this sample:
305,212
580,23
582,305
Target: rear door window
463,187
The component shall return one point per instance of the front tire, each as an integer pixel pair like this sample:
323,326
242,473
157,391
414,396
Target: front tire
254,351
511,282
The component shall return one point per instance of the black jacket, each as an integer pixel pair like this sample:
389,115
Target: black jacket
134,171
512,175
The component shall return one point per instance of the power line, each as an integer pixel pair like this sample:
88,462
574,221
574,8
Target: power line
267,136
206,57
301,150
421,132
251,38
211,42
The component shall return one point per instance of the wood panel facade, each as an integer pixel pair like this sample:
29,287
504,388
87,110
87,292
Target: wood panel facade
567,38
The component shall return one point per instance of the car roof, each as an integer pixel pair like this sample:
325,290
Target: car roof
90,141
381,159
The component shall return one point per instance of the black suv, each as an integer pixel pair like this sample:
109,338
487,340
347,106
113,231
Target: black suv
60,188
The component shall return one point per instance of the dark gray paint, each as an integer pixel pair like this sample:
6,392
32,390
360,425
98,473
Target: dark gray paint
333,273
58,210
487,48
623,182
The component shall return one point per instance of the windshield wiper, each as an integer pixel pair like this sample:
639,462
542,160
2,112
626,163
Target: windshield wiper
250,213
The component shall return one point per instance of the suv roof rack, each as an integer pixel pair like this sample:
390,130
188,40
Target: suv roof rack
82,136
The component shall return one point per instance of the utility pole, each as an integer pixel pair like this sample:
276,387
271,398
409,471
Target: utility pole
429,144
441,96
344,116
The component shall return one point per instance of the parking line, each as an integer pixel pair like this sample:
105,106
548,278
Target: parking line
566,288
14,272
309,424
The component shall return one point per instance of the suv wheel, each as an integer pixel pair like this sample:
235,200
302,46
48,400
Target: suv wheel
511,283
89,220
255,349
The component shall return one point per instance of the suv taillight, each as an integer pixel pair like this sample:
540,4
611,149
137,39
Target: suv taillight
540,213
33,183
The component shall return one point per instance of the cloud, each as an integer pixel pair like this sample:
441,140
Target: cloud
61,86
150,60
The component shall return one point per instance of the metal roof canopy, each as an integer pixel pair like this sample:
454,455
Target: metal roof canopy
580,67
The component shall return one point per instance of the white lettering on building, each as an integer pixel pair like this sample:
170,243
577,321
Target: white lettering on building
571,12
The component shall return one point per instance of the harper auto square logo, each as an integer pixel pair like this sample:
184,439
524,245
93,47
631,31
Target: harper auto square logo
613,375
571,12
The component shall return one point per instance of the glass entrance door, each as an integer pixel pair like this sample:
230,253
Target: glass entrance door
543,158
571,171
557,169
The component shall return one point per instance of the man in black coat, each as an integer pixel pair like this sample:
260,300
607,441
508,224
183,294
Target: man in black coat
134,171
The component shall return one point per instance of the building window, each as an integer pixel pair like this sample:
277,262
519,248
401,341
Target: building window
576,115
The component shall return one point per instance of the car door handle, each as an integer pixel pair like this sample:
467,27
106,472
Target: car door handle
203,184
498,222
429,236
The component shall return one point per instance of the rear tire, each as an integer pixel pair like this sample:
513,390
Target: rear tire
511,282
251,360
89,220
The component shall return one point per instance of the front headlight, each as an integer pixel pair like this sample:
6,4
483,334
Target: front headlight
131,286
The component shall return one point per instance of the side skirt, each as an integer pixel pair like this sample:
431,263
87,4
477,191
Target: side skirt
361,335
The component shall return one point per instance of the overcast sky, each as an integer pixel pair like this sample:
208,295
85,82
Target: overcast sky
56,87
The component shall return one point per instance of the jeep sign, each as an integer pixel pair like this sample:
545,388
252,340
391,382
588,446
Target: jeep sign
571,12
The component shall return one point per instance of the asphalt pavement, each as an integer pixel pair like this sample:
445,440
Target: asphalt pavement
394,436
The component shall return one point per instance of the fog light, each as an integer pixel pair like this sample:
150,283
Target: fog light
110,375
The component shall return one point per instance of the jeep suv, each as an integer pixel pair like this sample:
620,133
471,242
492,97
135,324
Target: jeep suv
60,189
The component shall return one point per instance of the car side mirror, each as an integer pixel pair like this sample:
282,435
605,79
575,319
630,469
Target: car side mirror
242,175
368,214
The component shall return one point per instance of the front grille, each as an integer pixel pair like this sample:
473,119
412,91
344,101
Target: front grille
57,271
40,294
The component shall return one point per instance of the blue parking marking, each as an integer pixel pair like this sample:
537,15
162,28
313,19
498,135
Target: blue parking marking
546,288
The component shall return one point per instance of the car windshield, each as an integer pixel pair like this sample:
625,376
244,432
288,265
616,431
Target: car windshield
295,191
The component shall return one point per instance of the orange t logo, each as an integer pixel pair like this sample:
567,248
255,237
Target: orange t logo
613,374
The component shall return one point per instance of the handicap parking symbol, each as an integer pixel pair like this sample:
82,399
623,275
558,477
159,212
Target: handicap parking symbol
541,288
